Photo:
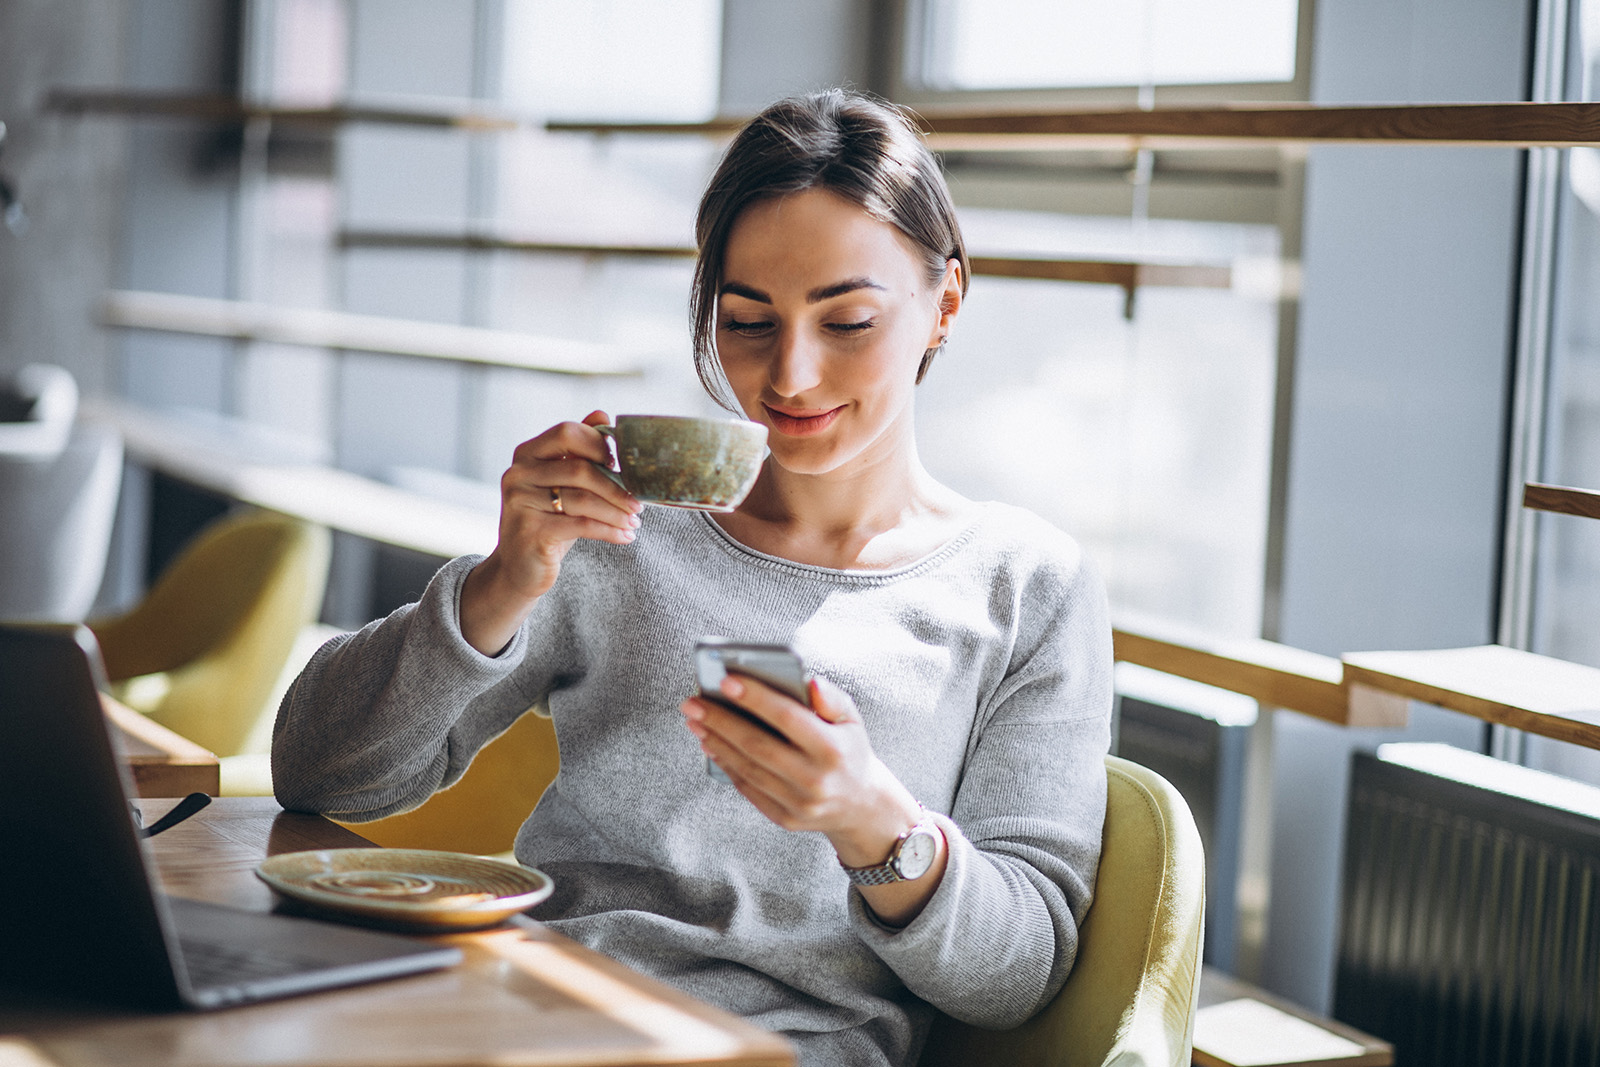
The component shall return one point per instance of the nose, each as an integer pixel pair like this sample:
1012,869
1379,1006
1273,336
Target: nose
796,365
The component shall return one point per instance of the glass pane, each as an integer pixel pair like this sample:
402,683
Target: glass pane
1016,44
1148,438
614,60
1566,618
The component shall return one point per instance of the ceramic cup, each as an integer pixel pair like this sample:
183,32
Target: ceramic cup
684,462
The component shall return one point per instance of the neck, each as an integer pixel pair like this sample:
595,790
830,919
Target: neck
881,510
874,493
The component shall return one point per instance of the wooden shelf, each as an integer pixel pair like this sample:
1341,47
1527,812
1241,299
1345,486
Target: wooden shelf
220,108
1505,125
1128,275
1538,694
364,333
1561,499
334,498
1276,675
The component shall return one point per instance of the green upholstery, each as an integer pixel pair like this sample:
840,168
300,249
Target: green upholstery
482,811
1131,997
202,652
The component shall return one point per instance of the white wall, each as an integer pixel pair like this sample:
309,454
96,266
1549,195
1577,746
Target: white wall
1398,418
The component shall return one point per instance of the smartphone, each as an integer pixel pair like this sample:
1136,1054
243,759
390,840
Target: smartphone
777,665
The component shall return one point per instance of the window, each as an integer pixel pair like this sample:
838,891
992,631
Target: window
1566,589
1054,44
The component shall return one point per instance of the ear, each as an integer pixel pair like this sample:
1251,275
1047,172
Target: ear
949,291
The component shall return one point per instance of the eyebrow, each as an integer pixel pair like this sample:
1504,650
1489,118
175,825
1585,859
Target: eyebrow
815,296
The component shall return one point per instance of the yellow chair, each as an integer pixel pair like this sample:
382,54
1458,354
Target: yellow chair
208,641
1131,997
482,811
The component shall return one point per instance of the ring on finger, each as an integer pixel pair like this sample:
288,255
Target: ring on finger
555,500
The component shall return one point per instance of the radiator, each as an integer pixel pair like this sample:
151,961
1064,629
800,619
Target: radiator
1470,910
1195,736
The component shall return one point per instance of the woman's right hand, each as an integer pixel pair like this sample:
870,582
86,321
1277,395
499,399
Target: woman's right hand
551,496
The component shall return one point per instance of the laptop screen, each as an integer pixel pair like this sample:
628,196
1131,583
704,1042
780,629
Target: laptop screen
77,909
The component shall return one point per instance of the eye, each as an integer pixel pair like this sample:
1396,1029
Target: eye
746,327
852,327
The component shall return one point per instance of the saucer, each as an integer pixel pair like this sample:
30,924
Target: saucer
405,888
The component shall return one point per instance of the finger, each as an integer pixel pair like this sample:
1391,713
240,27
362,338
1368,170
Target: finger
561,440
763,802
777,797
528,513
831,703
560,530
569,476
750,743
581,503
788,716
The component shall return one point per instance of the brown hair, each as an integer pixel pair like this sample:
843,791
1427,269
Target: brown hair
863,149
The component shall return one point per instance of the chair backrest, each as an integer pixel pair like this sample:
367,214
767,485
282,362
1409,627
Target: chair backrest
220,623
38,406
1130,999
56,514
483,810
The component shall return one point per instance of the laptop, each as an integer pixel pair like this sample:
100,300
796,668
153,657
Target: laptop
81,911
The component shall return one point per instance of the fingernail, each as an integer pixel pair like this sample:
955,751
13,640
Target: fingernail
732,686
692,711
698,730
633,520
628,535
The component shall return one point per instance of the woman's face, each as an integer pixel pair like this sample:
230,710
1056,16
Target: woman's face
823,316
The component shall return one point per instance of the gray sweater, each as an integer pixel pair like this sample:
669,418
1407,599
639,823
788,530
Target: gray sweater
983,673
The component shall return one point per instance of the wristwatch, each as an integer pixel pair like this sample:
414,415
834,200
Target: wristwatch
910,858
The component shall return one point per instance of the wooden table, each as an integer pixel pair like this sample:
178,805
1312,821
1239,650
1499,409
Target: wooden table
524,996
1270,1032
163,763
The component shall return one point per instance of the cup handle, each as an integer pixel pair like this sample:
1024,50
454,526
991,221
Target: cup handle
610,434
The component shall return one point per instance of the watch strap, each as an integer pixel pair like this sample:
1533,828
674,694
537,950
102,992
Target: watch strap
886,873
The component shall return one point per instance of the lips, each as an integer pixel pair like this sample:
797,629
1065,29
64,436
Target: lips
801,422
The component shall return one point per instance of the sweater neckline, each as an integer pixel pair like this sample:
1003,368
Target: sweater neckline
734,547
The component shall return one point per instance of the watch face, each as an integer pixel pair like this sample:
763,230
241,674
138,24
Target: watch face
916,855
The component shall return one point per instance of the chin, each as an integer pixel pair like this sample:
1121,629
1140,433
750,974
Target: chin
804,457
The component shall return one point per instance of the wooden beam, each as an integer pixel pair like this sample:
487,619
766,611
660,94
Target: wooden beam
243,321
1562,499
478,242
222,108
1126,274
1276,675
1507,125
334,498
1538,694
1519,125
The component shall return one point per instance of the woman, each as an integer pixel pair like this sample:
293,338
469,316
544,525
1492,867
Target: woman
929,834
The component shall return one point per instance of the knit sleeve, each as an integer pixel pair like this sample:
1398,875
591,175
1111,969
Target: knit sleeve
997,939
381,718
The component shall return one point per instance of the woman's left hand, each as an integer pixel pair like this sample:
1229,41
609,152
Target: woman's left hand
820,775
